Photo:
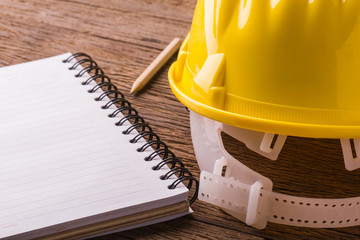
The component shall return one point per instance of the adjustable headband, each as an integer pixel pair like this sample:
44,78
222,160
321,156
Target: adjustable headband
247,195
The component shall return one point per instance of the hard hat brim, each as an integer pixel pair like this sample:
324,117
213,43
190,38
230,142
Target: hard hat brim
259,124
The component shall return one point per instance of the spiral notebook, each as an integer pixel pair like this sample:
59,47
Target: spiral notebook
77,160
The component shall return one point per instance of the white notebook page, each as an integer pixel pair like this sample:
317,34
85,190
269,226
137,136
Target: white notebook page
62,158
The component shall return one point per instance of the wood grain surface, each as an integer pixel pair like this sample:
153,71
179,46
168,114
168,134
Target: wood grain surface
124,36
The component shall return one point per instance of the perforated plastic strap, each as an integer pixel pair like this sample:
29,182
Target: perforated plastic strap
314,212
276,207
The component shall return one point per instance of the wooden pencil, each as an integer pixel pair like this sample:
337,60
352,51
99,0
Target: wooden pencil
154,67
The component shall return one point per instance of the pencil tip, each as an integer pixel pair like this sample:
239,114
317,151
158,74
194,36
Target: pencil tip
133,90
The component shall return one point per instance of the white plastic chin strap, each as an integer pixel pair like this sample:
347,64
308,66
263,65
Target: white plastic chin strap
246,194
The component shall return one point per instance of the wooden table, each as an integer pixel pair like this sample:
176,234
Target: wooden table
124,36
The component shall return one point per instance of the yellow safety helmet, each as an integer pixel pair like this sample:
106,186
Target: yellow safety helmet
286,67
260,70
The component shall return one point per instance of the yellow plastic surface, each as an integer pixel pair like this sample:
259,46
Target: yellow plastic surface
290,67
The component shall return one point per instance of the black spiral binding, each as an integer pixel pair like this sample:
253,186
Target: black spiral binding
123,106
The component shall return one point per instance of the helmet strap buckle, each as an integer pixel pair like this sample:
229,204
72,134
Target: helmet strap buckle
239,199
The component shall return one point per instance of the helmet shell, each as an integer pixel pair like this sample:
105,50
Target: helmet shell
279,66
